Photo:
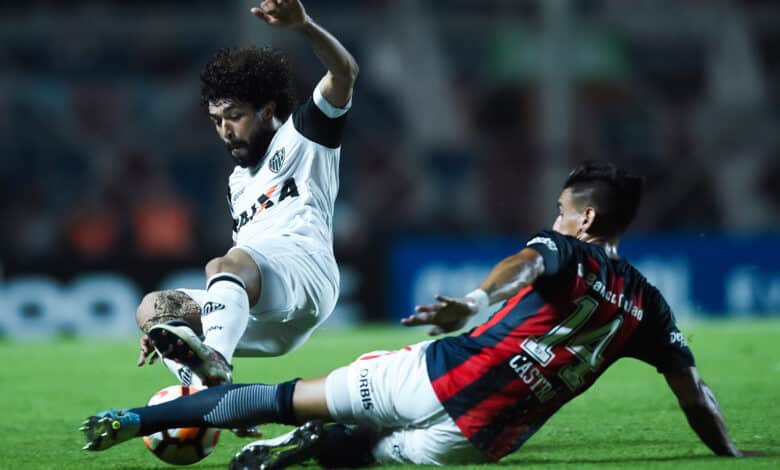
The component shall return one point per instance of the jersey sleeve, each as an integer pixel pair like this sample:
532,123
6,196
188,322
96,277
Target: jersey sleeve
320,121
658,341
556,250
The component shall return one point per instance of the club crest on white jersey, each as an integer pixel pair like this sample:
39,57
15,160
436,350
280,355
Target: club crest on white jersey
276,161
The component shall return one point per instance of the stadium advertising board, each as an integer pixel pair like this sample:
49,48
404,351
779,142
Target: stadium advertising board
102,304
707,276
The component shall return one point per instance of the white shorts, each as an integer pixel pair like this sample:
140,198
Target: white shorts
299,292
390,392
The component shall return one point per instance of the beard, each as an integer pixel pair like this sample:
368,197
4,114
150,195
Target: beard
248,153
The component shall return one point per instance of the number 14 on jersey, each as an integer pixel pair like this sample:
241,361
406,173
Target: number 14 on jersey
587,345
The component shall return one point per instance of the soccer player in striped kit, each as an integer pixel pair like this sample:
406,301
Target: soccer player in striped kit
571,308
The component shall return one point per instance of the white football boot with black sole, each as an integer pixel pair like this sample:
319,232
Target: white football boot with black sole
177,341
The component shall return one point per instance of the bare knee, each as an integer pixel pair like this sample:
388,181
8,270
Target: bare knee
242,265
220,264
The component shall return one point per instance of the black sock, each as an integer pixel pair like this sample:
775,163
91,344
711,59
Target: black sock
346,447
225,406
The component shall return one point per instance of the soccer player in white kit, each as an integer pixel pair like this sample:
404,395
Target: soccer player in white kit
280,280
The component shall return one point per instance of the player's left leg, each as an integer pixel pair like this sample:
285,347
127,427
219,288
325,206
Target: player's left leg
234,283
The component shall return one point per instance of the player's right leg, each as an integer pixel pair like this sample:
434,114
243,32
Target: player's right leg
223,406
108,428
332,445
294,447
230,406
387,391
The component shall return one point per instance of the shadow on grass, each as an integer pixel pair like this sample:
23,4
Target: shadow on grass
590,444
162,466
613,460
519,459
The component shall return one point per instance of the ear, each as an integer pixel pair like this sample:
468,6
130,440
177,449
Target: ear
587,220
267,112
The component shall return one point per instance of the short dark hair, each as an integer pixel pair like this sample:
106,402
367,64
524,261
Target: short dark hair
249,74
612,191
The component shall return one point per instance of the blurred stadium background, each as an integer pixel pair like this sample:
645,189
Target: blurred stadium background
467,117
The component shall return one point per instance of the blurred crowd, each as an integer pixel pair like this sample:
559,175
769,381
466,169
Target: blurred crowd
466,118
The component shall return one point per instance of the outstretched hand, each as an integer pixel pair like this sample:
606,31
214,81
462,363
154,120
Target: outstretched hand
285,13
447,315
146,350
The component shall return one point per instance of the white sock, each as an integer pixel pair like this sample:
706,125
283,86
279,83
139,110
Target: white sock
182,373
225,313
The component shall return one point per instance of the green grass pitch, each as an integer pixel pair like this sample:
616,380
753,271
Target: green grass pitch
628,419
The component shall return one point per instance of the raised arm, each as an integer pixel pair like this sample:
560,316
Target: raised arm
506,279
700,407
336,86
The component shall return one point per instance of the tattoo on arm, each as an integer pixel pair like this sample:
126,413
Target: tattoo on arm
513,274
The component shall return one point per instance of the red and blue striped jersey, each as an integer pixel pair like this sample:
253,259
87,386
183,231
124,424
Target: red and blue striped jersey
503,379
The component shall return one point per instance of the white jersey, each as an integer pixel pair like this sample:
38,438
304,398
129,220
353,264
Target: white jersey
292,191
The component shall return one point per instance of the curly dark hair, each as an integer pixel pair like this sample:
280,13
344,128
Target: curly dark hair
249,74
613,192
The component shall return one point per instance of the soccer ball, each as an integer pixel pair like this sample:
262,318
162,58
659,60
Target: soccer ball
182,446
